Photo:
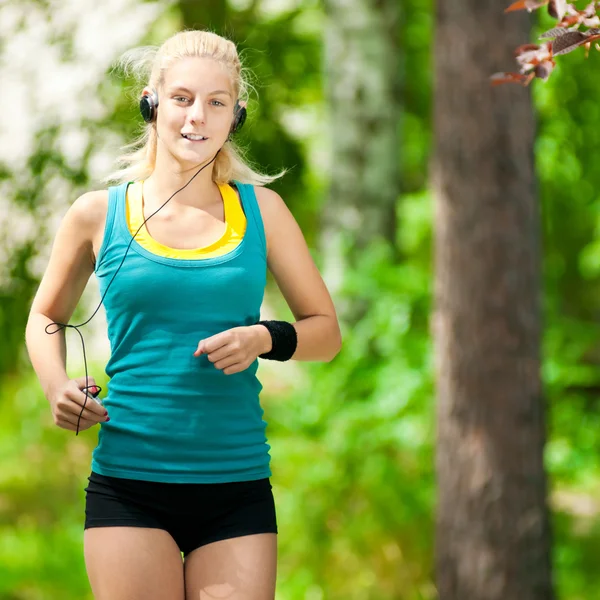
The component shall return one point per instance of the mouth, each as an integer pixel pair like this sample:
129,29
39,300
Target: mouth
193,138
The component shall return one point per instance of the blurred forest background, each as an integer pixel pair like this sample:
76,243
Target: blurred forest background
345,95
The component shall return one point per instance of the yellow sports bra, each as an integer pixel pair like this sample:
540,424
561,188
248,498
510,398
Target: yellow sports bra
235,221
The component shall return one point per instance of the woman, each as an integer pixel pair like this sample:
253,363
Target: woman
182,461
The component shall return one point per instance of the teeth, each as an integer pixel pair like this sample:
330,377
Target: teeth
193,137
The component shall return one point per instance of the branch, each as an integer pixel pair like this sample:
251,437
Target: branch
537,60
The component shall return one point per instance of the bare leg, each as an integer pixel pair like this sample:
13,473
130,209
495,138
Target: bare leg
241,568
133,563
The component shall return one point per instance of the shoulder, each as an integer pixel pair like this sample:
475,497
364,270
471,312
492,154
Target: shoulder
274,211
281,228
90,207
86,219
276,216
266,195
271,204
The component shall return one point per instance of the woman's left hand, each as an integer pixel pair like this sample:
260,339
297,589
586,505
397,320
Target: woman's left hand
236,349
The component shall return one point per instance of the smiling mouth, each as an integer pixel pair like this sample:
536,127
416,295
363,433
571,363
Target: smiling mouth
193,138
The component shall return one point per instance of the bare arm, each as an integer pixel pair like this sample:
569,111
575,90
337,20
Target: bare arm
297,276
69,268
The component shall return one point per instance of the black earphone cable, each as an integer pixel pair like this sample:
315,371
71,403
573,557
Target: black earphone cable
61,326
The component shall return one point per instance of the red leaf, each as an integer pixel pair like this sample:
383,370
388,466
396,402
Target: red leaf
500,78
527,58
526,5
525,48
519,5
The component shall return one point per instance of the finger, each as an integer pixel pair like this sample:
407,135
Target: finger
228,361
65,425
211,344
236,368
87,385
70,409
87,414
81,399
70,422
83,381
221,354
83,423
201,348
71,427
94,410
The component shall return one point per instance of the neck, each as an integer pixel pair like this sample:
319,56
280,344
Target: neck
170,175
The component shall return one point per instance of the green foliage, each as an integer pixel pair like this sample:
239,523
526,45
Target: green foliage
354,449
41,525
17,292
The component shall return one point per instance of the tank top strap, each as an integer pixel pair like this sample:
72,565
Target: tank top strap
252,210
116,195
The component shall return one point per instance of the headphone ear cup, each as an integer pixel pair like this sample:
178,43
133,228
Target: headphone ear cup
239,118
148,104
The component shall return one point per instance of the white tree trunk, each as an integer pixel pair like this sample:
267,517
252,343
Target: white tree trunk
363,93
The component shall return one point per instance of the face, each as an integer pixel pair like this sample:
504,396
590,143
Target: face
195,110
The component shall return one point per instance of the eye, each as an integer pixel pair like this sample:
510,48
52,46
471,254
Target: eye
180,98
218,103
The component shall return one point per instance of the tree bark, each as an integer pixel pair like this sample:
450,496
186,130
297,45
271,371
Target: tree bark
493,532
363,96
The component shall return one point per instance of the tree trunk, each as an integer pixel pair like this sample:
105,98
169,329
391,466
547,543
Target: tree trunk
493,533
363,95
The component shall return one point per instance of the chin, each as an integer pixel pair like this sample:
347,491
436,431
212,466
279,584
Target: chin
193,157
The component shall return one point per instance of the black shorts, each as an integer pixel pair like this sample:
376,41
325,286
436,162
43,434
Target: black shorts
194,514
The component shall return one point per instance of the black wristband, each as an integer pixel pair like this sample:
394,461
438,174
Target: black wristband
285,340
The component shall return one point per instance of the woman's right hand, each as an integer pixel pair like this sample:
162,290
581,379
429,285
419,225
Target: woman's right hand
68,400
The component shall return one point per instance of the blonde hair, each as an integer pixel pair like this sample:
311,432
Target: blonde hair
150,63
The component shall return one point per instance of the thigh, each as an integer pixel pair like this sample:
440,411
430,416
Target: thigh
133,563
240,568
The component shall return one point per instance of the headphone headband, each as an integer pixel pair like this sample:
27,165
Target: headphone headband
149,106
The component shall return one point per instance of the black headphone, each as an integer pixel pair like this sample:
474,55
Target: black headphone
149,104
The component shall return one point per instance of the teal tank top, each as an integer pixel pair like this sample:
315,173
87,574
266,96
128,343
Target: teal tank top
175,417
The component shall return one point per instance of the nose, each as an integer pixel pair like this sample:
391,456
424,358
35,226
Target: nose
196,113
